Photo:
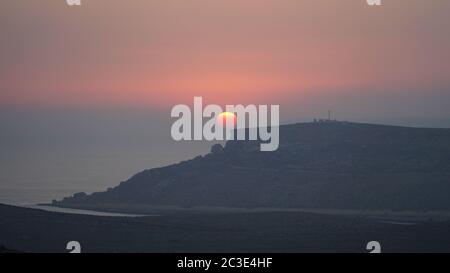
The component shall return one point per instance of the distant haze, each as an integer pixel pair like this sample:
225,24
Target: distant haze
49,154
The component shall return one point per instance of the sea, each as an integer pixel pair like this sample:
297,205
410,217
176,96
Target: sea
47,155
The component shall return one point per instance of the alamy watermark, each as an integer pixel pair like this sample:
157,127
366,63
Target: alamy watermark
73,2
374,2
237,121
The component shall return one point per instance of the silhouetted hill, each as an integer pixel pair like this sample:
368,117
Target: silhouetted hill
318,165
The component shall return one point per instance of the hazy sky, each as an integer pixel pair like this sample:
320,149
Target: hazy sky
307,55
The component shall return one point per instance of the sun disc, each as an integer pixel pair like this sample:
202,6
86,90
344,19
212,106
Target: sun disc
226,117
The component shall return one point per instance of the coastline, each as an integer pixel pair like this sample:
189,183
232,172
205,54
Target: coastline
67,210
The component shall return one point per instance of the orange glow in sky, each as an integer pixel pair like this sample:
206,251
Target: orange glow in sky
165,52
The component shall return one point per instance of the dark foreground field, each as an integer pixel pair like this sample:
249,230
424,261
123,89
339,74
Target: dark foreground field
31,230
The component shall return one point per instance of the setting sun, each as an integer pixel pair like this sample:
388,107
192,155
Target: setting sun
226,117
